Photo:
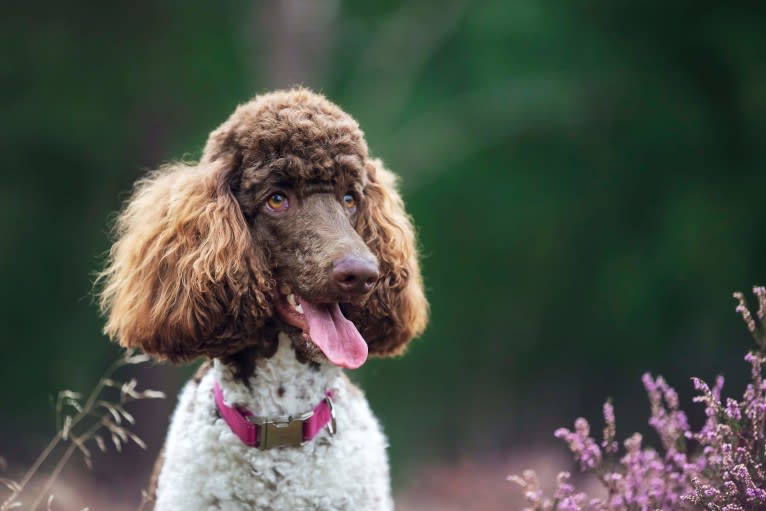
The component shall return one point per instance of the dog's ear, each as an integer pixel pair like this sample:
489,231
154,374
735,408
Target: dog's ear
184,278
397,310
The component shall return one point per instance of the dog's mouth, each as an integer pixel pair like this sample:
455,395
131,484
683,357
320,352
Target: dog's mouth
325,325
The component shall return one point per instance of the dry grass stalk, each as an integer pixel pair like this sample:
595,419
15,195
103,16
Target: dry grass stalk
79,423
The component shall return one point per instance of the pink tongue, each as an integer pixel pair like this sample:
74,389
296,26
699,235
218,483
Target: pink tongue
336,336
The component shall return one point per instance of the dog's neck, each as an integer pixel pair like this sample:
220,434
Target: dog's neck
280,385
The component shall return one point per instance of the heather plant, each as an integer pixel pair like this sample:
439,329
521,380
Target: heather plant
80,422
719,467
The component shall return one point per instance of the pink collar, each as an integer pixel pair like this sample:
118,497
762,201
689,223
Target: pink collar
268,433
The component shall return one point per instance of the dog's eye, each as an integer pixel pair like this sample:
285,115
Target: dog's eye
277,202
350,202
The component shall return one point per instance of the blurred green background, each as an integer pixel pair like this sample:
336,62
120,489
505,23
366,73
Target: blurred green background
586,178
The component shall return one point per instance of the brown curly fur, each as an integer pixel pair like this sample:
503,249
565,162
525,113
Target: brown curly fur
195,263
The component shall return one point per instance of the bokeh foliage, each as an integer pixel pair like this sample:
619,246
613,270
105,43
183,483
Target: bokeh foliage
587,179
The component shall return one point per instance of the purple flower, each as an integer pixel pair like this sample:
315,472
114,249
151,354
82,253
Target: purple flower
719,467
584,448
732,410
610,429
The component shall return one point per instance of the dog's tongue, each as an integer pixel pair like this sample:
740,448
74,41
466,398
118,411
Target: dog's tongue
336,336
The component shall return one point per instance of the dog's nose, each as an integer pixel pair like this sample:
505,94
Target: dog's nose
354,275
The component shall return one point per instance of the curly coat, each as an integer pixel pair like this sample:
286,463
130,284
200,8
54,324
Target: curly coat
190,274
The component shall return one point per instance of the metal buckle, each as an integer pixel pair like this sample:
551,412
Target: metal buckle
332,427
275,433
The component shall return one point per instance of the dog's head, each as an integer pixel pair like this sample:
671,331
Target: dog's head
285,223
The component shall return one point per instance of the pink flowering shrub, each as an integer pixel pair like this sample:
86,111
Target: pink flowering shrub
720,467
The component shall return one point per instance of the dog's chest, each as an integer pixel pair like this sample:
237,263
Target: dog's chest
208,467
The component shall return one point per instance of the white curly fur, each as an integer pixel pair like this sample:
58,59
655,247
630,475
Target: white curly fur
207,467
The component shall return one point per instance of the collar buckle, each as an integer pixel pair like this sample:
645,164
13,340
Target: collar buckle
331,425
275,433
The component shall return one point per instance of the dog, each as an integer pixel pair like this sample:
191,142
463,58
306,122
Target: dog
282,257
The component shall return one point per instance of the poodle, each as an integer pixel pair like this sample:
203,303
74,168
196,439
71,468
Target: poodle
282,257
